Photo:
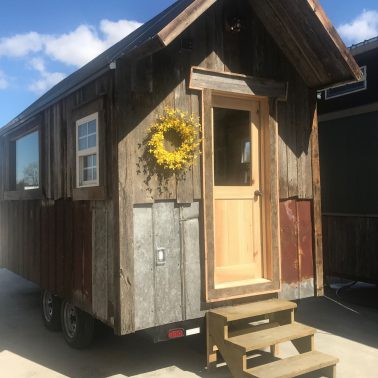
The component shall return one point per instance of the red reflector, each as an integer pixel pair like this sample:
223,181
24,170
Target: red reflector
176,333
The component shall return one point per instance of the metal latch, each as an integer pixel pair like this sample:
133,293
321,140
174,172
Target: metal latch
258,193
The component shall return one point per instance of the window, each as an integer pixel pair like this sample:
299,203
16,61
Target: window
342,90
232,147
87,151
22,164
26,162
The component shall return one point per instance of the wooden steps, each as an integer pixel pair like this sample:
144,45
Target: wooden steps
271,336
251,310
294,366
235,331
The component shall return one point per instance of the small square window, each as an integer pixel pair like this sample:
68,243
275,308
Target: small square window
87,151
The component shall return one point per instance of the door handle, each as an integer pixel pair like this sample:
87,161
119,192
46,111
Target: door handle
258,193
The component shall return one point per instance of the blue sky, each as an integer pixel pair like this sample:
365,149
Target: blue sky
42,41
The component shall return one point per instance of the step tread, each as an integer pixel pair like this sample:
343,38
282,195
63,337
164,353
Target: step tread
254,309
271,336
294,366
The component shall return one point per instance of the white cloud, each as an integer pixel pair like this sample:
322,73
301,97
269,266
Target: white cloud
363,27
21,44
37,64
75,48
3,81
47,79
115,31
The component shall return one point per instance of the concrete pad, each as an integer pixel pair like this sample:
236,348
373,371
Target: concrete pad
28,350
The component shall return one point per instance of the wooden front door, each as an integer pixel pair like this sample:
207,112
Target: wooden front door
237,192
238,254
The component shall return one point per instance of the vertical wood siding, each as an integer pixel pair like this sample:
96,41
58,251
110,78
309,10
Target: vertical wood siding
86,251
142,99
47,242
350,246
251,52
297,271
63,245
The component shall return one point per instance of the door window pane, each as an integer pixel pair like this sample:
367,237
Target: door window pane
27,162
232,147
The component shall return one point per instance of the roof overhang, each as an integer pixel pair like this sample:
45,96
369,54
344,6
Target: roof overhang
299,27
309,40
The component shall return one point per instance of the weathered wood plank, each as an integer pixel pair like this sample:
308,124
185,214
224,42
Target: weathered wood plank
236,83
145,265
274,219
168,277
190,243
317,210
51,246
291,142
69,250
59,244
304,126
123,261
87,256
282,150
99,261
214,22
183,102
184,20
196,169
207,180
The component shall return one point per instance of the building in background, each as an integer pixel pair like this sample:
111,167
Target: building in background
348,143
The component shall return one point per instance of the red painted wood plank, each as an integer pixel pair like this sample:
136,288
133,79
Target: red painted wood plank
289,242
305,239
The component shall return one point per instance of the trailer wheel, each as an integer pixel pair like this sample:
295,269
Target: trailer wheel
77,326
50,309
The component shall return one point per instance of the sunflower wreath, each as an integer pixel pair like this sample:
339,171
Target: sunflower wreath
182,132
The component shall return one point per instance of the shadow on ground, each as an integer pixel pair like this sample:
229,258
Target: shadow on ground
22,334
27,349
352,313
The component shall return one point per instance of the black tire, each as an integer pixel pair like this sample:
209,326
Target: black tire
50,311
77,326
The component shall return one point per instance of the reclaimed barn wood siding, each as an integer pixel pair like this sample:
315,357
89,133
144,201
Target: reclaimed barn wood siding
105,271
162,80
297,268
61,243
145,87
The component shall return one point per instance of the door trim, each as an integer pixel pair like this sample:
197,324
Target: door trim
270,220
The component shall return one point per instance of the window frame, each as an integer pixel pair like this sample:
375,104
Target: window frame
84,109
80,154
9,175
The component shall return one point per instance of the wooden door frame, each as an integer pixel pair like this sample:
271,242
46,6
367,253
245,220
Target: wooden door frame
269,139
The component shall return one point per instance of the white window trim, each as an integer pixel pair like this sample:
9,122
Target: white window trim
87,152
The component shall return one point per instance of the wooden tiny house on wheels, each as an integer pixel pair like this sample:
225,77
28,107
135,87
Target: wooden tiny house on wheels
84,215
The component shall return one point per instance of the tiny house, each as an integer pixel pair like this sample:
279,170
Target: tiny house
348,136
86,214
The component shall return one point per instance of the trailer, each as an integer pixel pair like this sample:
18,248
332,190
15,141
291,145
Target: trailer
111,230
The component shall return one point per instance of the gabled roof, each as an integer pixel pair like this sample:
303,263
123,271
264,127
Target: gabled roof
299,27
